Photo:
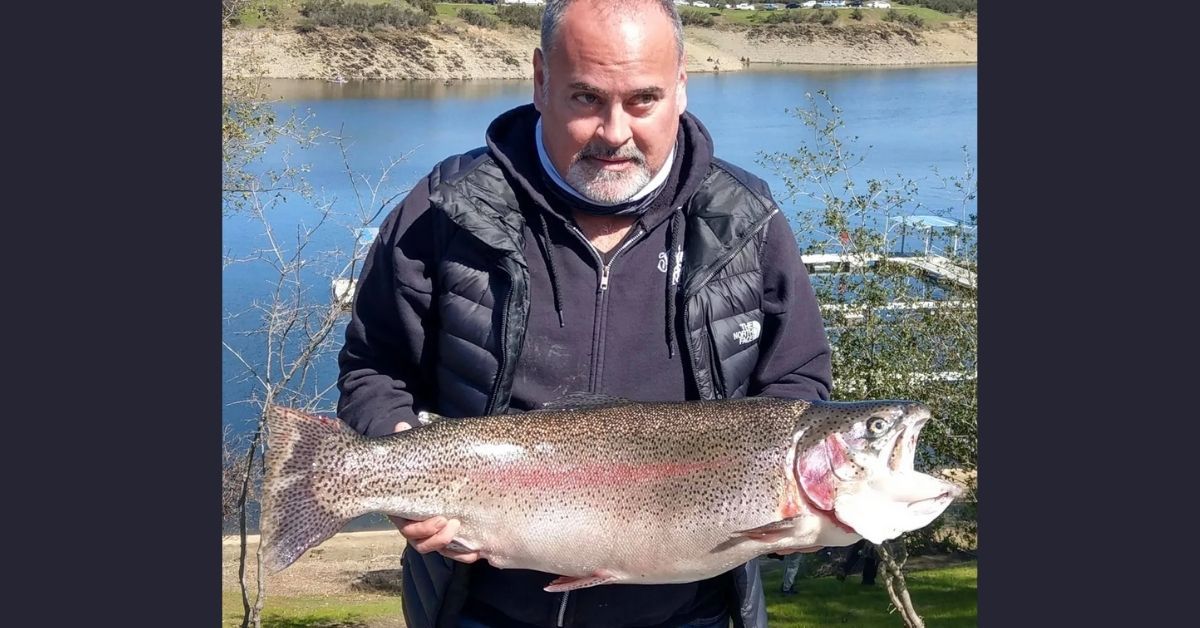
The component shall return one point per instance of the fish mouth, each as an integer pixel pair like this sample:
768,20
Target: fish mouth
904,443
936,504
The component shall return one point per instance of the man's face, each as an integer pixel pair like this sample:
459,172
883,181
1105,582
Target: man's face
610,112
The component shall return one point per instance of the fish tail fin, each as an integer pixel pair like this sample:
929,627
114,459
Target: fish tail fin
293,520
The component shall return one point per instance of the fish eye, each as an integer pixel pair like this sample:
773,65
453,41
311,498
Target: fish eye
876,425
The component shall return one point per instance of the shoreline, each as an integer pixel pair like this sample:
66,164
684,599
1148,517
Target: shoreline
471,53
355,535
756,67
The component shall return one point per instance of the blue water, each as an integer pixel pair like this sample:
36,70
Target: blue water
907,121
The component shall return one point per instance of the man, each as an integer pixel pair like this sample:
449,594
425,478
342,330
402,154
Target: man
594,245
866,552
791,569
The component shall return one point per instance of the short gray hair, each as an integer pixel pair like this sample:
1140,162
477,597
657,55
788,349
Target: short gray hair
552,18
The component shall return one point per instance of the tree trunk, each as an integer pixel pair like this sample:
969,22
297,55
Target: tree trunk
249,614
897,588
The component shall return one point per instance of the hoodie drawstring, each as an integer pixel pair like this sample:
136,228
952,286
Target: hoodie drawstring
675,263
548,251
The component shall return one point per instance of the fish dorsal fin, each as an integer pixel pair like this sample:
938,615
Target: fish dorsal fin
578,400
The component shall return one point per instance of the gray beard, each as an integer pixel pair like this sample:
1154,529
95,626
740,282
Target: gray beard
607,187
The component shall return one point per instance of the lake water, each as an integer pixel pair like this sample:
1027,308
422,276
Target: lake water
913,119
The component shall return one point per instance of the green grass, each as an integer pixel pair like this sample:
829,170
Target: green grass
344,611
930,16
945,598
450,9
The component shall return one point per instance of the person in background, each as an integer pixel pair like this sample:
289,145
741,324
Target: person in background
866,551
791,567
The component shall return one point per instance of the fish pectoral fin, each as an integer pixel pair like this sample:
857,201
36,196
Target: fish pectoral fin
460,546
771,532
570,583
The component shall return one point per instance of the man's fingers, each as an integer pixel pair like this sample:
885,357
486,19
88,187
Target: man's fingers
422,530
442,537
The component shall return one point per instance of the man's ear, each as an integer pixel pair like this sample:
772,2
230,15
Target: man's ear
681,90
539,76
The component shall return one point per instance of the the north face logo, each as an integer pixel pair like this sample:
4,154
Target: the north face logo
748,333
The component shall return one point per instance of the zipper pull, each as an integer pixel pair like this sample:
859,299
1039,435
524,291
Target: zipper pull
604,277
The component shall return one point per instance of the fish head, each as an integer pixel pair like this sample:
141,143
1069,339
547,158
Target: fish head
854,462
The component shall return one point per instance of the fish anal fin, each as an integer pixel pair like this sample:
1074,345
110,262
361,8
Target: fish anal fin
570,583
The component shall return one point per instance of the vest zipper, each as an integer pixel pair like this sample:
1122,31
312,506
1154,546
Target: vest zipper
503,340
736,248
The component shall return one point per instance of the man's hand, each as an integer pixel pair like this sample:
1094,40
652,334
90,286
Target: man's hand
434,534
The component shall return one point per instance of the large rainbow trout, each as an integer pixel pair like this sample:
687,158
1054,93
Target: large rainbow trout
619,492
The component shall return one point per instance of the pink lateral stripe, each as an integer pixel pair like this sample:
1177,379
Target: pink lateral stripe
591,474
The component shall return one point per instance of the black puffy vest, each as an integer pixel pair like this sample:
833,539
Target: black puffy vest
483,298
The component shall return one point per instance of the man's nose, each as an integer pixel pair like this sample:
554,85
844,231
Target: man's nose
614,128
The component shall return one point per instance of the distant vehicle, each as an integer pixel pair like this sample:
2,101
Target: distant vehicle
770,6
745,6
792,5
702,5
810,4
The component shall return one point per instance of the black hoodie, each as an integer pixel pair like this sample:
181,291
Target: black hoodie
607,328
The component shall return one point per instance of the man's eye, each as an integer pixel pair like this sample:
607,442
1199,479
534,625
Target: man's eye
644,99
586,98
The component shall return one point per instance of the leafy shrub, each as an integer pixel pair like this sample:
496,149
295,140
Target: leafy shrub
527,15
948,6
475,17
426,6
361,17
692,17
779,17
